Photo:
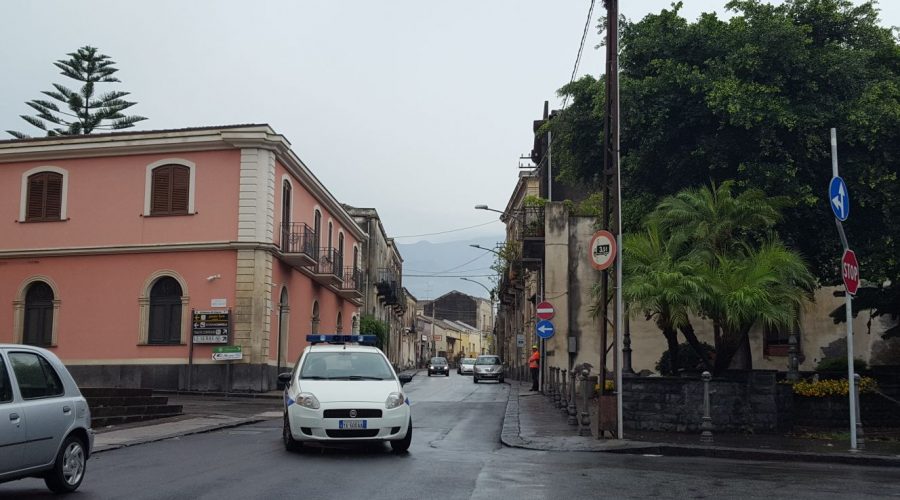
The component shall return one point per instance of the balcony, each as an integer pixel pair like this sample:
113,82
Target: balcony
388,286
329,269
298,244
530,231
351,286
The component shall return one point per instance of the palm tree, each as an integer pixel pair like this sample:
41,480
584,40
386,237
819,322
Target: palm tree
663,284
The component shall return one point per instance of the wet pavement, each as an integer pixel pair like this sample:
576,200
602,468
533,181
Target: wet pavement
531,421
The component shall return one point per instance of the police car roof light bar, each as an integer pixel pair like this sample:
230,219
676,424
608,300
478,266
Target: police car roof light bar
342,339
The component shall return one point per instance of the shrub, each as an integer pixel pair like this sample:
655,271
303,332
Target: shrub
828,388
687,358
839,365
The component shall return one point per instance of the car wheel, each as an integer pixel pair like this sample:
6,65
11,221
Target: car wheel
290,444
501,380
402,445
475,379
68,469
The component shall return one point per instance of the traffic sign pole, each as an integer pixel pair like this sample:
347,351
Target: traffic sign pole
845,209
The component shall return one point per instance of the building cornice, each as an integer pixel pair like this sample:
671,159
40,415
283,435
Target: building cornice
179,141
135,249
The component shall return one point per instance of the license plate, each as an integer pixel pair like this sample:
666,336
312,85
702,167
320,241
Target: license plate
352,424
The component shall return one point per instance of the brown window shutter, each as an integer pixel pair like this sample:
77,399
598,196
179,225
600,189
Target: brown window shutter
35,202
159,191
53,206
181,184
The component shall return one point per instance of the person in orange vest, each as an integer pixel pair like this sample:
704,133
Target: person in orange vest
534,364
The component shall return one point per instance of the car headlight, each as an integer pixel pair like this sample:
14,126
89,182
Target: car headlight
394,400
307,400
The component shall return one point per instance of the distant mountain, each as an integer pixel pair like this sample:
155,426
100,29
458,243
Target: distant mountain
433,269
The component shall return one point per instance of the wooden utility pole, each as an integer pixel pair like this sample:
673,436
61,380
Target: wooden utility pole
609,174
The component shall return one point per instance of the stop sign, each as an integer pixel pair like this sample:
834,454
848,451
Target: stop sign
850,271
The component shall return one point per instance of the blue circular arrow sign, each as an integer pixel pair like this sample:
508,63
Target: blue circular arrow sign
839,198
545,329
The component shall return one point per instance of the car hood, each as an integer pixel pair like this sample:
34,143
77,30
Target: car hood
354,391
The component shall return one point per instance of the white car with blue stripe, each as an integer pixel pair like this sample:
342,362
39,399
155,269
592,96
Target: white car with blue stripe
343,390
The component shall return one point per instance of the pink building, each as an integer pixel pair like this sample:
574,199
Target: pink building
112,246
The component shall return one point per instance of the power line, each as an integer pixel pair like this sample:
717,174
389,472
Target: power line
447,231
587,24
448,275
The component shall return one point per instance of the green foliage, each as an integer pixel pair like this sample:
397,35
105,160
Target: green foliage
592,206
687,358
840,365
533,201
369,325
508,256
751,98
84,111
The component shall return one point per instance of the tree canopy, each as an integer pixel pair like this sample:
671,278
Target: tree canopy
752,99
84,111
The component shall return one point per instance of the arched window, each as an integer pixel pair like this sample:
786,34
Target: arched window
38,315
170,190
356,265
165,312
286,203
314,326
317,227
45,193
330,230
340,323
340,250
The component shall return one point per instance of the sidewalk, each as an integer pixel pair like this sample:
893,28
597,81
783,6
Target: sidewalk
533,422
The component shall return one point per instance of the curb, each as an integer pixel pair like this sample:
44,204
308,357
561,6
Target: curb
510,436
200,430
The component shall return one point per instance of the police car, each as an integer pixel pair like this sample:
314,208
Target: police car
343,388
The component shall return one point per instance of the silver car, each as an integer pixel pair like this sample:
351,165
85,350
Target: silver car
466,366
488,367
45,423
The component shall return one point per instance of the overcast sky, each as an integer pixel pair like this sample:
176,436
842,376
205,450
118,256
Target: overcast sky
418,108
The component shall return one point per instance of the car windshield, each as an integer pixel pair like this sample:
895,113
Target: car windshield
487,360
438,361
468,361
345,365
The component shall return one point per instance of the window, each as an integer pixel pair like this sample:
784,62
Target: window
330,230
340,250
776,340
317,227
38,315
314,327
286,203
170,190
44,203
35,376
340,323
165,312
5,384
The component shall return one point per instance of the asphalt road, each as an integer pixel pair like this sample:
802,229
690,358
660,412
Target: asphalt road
455,454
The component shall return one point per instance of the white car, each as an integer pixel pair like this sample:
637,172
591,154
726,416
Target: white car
342,390
45,423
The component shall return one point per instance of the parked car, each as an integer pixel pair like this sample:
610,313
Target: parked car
343,389
488,367
438,366
466,366
45,423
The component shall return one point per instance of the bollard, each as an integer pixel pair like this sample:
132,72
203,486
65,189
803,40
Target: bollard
860,442
584,428
571,409
706,423
563,395
557,388
793,373
548,384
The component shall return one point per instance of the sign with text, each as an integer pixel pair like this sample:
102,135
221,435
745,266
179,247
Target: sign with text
850,271
227,353
211,327
602,250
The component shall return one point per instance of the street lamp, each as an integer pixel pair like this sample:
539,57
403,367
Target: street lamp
482,248
491,298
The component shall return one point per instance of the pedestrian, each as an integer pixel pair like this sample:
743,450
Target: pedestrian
534,364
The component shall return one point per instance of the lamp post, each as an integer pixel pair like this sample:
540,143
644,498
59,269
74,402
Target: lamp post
491,298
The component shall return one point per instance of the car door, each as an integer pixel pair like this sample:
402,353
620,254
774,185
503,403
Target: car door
48,412
12,423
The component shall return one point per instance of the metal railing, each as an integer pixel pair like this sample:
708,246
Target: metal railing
330,262
297,237
352,279
530,221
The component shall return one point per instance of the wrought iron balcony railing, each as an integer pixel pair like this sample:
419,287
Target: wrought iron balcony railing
299,244
352,280
331,263
530,221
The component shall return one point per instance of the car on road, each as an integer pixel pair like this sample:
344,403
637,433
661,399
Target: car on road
343,390
466,366
488,367
45,422
438,366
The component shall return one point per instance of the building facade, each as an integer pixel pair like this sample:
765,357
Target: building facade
136,256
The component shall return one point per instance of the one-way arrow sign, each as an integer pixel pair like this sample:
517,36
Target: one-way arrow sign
545,329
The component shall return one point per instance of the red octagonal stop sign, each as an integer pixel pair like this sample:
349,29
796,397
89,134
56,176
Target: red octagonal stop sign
850,271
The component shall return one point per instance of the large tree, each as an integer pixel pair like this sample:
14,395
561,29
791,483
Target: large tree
752,98
82,111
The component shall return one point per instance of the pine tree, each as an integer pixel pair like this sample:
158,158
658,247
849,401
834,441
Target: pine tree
83,111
